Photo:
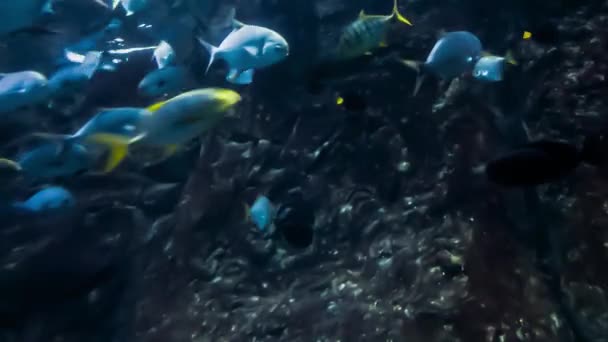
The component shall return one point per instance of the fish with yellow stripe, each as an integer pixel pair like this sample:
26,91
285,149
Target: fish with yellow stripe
366,33
172,123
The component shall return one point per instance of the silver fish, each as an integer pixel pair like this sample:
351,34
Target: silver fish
22,89
246,49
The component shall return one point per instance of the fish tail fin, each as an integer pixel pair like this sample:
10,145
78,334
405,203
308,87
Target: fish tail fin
118,147
418,67
510,59
419,80
212,50
398,15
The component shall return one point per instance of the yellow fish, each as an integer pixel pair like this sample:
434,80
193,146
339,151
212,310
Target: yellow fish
171,123
367,33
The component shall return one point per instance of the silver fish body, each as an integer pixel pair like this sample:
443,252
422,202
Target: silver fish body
122,121
248,48
22,89
186,116
489,69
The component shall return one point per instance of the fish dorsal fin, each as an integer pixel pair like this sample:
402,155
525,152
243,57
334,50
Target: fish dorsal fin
237,24
153,108
362,14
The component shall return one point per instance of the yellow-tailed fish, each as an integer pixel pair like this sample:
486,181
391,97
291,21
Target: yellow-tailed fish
172,123
367,33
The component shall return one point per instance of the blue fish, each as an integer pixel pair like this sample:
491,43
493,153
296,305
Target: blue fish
49,199
74,78
453,55
49,161
168,80
123,121
261,213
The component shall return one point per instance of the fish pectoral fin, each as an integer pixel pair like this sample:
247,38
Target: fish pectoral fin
245,77
153,108
9,164
252,50
49,136
118,147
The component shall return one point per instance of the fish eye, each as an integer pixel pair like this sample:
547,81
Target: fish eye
161,83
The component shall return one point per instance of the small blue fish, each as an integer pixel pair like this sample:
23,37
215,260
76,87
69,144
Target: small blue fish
123,121
261,213
169,80
49,199
453,55
50,160
74,78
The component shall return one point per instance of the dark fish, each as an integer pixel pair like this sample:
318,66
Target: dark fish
535,163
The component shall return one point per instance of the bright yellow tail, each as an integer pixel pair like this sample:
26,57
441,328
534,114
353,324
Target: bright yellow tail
398,15
118,147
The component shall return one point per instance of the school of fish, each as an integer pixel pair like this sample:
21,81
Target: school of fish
179,110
